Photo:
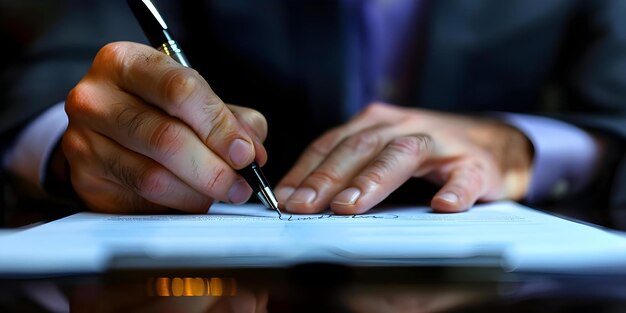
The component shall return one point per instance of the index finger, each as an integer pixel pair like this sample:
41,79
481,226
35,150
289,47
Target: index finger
180,92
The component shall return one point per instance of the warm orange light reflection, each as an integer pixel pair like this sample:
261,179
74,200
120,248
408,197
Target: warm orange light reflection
197,286
216,287
162,286
177,287
192,287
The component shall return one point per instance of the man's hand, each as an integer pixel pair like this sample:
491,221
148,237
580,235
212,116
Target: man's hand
354,167
147,134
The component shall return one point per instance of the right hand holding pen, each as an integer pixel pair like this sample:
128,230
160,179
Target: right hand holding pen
146,134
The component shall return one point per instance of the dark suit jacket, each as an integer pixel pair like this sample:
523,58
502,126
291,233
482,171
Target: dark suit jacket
286,58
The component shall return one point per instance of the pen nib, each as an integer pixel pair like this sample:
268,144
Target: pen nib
269,199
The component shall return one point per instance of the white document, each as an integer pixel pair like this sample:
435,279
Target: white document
503,234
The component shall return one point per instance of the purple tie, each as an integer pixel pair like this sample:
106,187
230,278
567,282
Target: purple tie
380,36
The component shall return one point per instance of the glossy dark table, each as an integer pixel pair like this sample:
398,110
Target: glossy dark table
314,288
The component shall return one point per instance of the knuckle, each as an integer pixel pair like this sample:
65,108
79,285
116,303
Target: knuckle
73,143
476,174
379,169
469,183
323,177
411,145
217,179
218,123
374,109
112,166
119,58
131,119
330,139
150,182
363,142
321,146
167,138
130,202
79,102
83,182
111,53
178,85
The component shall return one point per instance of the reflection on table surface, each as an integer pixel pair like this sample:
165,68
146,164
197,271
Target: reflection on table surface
315,288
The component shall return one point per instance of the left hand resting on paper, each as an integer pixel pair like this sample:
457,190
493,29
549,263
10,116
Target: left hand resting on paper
355,166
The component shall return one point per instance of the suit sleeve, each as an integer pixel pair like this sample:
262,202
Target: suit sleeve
47,65
596,92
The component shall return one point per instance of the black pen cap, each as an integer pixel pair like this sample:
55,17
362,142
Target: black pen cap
151,21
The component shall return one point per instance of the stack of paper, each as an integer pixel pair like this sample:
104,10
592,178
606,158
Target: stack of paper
503,234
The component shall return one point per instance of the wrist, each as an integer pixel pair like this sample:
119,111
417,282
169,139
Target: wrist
564,156
511,150
516,162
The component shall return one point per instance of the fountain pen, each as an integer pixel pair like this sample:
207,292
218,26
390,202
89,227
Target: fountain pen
159,37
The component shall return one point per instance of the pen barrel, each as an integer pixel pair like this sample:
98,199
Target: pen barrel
172,49
253,175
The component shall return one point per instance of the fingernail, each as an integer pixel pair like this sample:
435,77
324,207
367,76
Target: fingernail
303,195
348,196
239,152
449,197
240,192
283,193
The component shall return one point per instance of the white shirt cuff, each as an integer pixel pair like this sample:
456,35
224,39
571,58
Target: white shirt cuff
565,155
